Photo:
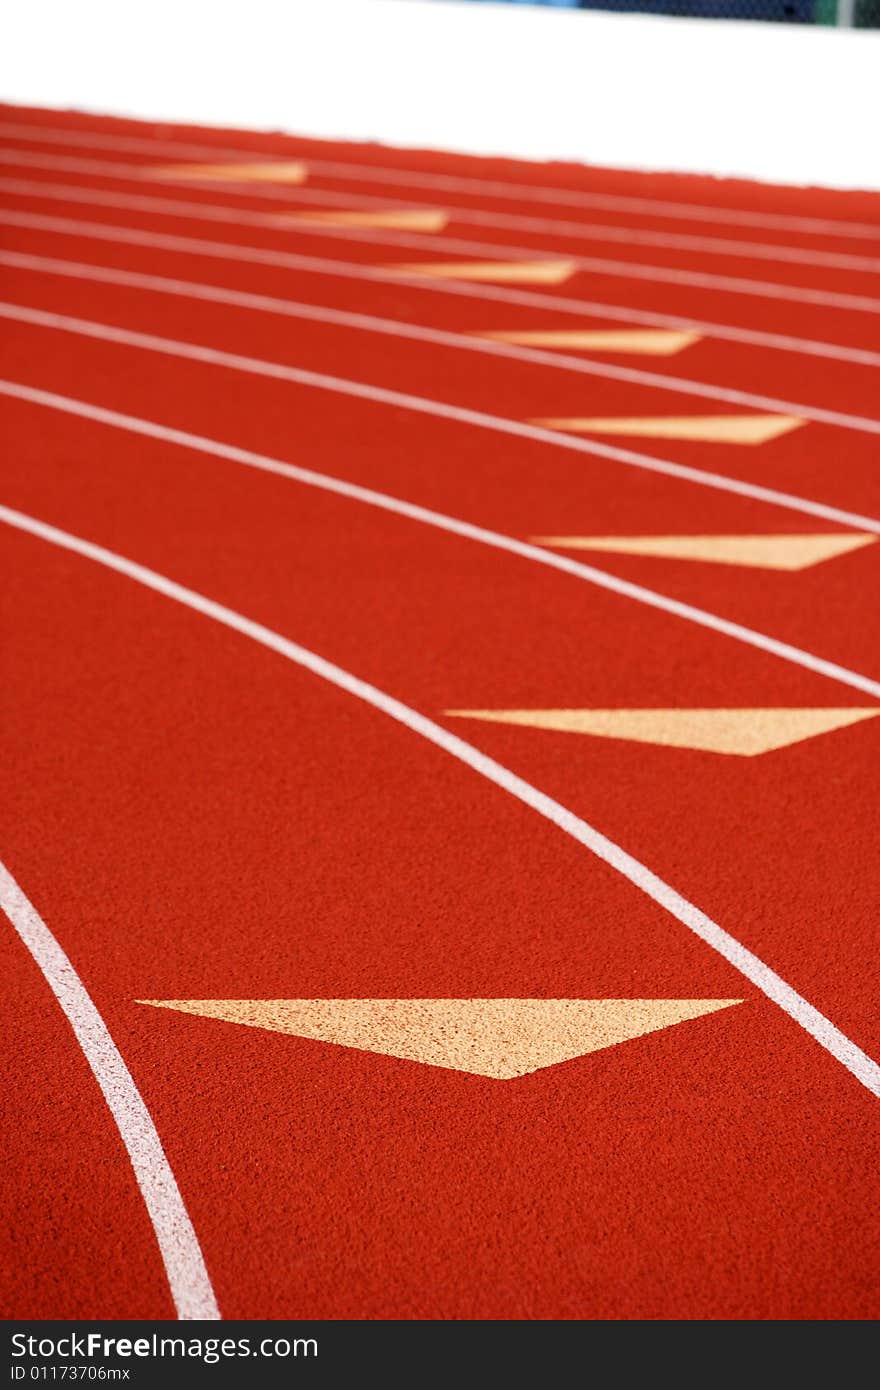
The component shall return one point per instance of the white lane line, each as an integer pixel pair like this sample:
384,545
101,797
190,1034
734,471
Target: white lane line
733,951
482,535
352,270
528,193
178,1244
500,251
555,227
398,328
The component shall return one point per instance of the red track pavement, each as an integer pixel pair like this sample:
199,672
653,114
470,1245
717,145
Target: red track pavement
194,817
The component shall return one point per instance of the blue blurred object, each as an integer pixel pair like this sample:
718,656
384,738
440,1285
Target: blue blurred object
558,4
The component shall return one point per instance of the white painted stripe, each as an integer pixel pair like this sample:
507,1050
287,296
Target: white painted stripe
500,251
529,193
178,1244
466,529
318,265
733,951
399,328
548,226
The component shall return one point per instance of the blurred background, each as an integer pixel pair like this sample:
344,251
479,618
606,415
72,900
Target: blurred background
864,14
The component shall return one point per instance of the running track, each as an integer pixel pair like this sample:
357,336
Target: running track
273,505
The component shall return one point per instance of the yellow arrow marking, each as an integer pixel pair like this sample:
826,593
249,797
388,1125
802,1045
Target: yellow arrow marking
499,1038
648,341
758,552
277,171
505,272
745,732
716,429
415,220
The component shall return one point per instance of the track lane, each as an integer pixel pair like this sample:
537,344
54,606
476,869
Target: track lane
836,292
459,435
544,553
269,247
591,574
806,456
311,196
510,392
578,365
628,657
670,251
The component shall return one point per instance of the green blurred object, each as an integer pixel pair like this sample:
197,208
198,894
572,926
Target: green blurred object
866,13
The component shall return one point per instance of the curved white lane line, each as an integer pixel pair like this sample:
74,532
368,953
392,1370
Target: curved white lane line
500,251
480,534
529,193
178,1244
397,328
353,270
740,249
761,976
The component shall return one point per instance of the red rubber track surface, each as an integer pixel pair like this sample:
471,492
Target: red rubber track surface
194,817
